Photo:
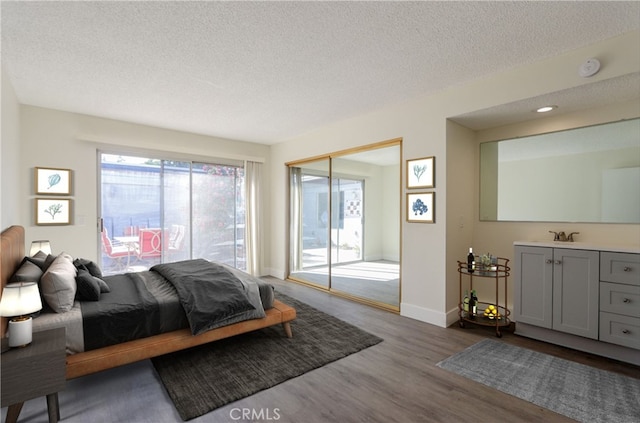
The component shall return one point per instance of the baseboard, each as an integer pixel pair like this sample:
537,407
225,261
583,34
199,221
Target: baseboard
423,314
605,349
276,273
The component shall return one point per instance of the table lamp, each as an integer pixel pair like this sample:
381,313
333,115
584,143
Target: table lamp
19,300
40,245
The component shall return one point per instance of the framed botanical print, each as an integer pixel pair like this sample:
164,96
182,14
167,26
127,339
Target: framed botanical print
421,172
52,181
421,207
53,211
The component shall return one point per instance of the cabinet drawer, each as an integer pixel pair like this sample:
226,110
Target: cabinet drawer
620,267
620,330
620,299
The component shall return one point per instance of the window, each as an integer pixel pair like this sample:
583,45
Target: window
158,210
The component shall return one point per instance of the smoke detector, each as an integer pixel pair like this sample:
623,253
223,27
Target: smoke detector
589,68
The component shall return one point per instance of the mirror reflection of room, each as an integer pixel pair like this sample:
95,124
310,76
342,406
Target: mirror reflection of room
588,174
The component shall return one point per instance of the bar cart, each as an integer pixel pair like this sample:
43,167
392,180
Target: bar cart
487,314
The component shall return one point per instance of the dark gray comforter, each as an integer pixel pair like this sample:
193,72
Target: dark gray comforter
211,295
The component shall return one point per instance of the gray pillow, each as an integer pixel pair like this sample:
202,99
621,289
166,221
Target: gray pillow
58,284
91,266
27,272
42,260
93,269
88,286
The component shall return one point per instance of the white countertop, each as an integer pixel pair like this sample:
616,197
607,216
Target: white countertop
582,246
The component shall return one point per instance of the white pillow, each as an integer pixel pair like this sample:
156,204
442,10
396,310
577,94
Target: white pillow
58,284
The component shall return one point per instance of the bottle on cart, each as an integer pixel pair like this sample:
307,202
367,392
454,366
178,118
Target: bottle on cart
471,261
474,299
465,302
472,306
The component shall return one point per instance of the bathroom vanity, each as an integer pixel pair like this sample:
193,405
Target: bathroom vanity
579,295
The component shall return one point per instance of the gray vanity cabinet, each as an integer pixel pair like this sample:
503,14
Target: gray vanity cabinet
620,299
557,288
533,286
579,295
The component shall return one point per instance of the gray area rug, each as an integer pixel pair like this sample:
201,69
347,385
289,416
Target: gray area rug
204,378
575,390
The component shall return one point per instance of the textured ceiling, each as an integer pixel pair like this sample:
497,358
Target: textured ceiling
268,71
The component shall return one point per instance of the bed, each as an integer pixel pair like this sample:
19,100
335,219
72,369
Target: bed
98,358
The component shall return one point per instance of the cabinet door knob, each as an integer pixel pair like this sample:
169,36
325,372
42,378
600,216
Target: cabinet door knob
626,300
548,261
627,269
558,261
626,331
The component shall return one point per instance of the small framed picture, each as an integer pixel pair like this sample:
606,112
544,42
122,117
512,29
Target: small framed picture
51,181
53,211
421,172
421,207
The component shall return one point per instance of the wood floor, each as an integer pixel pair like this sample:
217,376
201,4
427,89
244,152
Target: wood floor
394,381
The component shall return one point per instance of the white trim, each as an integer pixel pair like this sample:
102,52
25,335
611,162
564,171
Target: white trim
423,314
276,273
149,148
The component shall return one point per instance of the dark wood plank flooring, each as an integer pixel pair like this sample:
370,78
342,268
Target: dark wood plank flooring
398,380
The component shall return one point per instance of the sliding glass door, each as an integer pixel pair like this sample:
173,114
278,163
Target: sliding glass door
345,223
218,214
309,207
155,211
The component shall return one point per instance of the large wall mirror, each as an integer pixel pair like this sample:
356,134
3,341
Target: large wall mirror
589,175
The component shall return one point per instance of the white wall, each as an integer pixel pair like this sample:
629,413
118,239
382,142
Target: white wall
9,155
462,168
429,275
51,138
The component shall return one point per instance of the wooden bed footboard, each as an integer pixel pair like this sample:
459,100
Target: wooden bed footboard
13,251
94,361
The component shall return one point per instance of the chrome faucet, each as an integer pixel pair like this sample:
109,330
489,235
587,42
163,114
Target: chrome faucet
570,236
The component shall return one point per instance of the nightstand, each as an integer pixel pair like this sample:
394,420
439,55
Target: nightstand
34,371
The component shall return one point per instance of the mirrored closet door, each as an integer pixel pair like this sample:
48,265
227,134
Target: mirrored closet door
344,223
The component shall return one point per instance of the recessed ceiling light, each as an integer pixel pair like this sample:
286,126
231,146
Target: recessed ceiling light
546,109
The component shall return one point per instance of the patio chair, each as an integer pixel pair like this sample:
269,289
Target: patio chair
115,251
176,242
176,237
150,243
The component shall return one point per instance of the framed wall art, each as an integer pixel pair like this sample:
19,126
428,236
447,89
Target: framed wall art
421,172
421,207
53,211
51,181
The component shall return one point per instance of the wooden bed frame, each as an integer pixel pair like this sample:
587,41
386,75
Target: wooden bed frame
13,251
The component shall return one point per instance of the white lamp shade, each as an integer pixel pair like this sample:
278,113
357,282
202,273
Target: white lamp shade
40,245
20,299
